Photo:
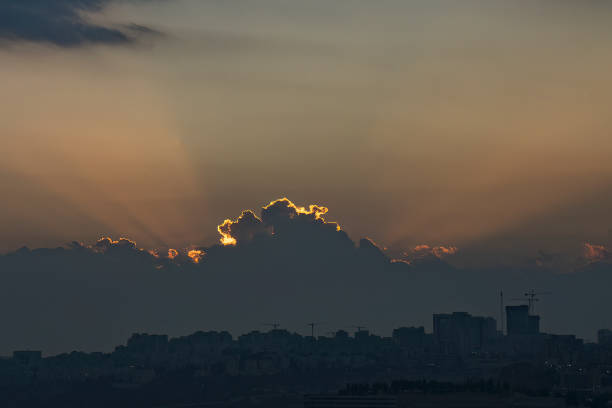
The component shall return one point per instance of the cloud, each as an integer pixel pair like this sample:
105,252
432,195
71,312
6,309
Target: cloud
284,208
243,229
595,253
285,217
280,217
105,244
283,233
439,252
288,263
196,255
61,22
370,250
125,249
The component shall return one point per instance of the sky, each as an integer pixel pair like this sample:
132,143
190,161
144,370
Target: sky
480,127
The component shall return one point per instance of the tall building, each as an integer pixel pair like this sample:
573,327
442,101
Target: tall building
413,337
519,321
533,325
604,337
443,333
461,333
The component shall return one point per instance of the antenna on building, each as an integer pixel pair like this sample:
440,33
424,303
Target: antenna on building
273,325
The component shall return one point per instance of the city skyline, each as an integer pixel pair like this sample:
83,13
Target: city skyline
179,173
464,359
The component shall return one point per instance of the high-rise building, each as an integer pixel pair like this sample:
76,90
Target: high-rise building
461,333
519,321
604,337
534,324
409,336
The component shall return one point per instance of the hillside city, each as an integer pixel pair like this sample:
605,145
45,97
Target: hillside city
465,361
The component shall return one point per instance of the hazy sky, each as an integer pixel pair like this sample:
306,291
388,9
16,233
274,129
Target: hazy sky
478,132
483,125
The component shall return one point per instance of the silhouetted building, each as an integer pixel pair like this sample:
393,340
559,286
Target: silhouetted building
411,337
461,333
148,342
350,401
563,349
533,326
249,367
487,327
476,400
27,357
519,321
341,334
604,337
362,335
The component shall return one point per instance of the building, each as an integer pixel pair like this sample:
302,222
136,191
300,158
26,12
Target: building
533,324
460,333
604,337
362,335
27,357
410,337
476,400
350,401
519,321
561,349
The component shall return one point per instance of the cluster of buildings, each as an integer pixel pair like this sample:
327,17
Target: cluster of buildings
461,333
461,347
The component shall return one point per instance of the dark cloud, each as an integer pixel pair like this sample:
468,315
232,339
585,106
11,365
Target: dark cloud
106,244
288,264
427,252
142,29
60,22
287,218
242,230
286,222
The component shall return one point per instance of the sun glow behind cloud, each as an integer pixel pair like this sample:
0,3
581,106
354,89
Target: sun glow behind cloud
196,255
418,129
248,224
225,230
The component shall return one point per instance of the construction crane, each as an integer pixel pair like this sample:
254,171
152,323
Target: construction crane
531,299
273,325
312,327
